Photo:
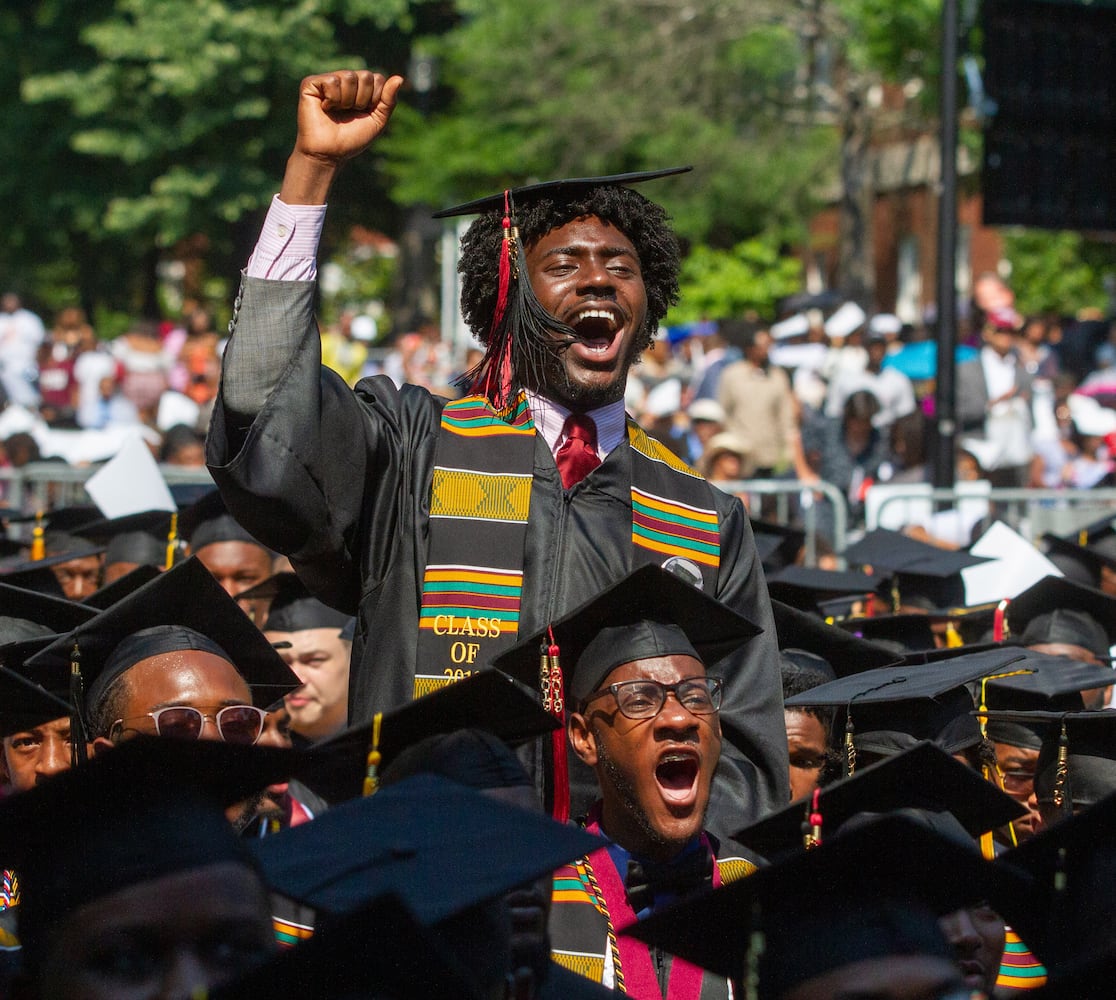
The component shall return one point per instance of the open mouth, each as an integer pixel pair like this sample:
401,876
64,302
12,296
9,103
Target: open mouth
596,328
676,775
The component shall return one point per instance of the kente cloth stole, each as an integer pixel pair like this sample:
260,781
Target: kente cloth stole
480,500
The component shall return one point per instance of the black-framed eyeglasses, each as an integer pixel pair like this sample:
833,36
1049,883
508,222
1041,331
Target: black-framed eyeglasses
644,699
235,723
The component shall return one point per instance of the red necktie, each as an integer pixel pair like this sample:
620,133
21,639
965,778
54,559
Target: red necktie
578,455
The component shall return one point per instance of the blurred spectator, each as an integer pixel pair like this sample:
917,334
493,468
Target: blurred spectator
146,368
112,407
716,354
344,346
994,400
725,459
57,357
707,419
21,333
892,389
182,445
758,403
199,359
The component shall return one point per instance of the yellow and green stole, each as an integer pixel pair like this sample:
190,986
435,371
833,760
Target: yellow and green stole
480,501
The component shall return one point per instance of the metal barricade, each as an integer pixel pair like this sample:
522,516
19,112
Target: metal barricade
1031,512
794,498
47,485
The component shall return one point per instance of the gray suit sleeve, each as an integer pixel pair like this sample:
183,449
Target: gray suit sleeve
259,351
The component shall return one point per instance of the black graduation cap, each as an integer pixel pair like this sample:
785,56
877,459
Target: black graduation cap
67,520
925,574
25,704
336,768
806,588
38,575
293,608
778,545
924,778
183,608
651,612
208,520
869,892
1072,865
564,189
1085,742
29,616
846,654
912,632
142,538
10,546
1074,560
147,808
121,587
1057,610
890,709
405,838
408,962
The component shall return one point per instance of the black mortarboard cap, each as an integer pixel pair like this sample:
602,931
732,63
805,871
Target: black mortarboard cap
25,705
208,520
559,190
912,632
28,616
1090,746
405,838
121,587
183,608
38,574
1072,864
1054,610
805,587
408,962
865,893
148,808
651,612
846,654
777,545
293,608
64,520
153,523
1075,561
924,777
10,547
895,707
925,574
336,768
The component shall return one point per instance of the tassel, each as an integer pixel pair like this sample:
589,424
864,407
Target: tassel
850,745
812,828
952,636
1062,796
78,736
561,808
896,601
372,765
172,541
38,541
999,621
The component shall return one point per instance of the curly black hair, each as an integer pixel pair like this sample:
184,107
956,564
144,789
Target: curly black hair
642,221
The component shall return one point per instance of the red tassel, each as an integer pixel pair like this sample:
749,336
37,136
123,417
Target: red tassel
998,630
561,808
495,380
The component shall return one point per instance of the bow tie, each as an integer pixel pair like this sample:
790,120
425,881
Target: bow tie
646,880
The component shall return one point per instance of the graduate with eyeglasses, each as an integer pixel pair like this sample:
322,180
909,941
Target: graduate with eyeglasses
640,665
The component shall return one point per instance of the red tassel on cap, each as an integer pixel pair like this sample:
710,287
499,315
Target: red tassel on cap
561,808
494,380
998,630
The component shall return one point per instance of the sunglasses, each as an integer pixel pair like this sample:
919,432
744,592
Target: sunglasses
235,723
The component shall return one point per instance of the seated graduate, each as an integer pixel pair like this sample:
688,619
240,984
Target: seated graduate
134,884
645,719
176,658
858,916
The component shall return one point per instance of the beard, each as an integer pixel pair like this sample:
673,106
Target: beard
630,804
